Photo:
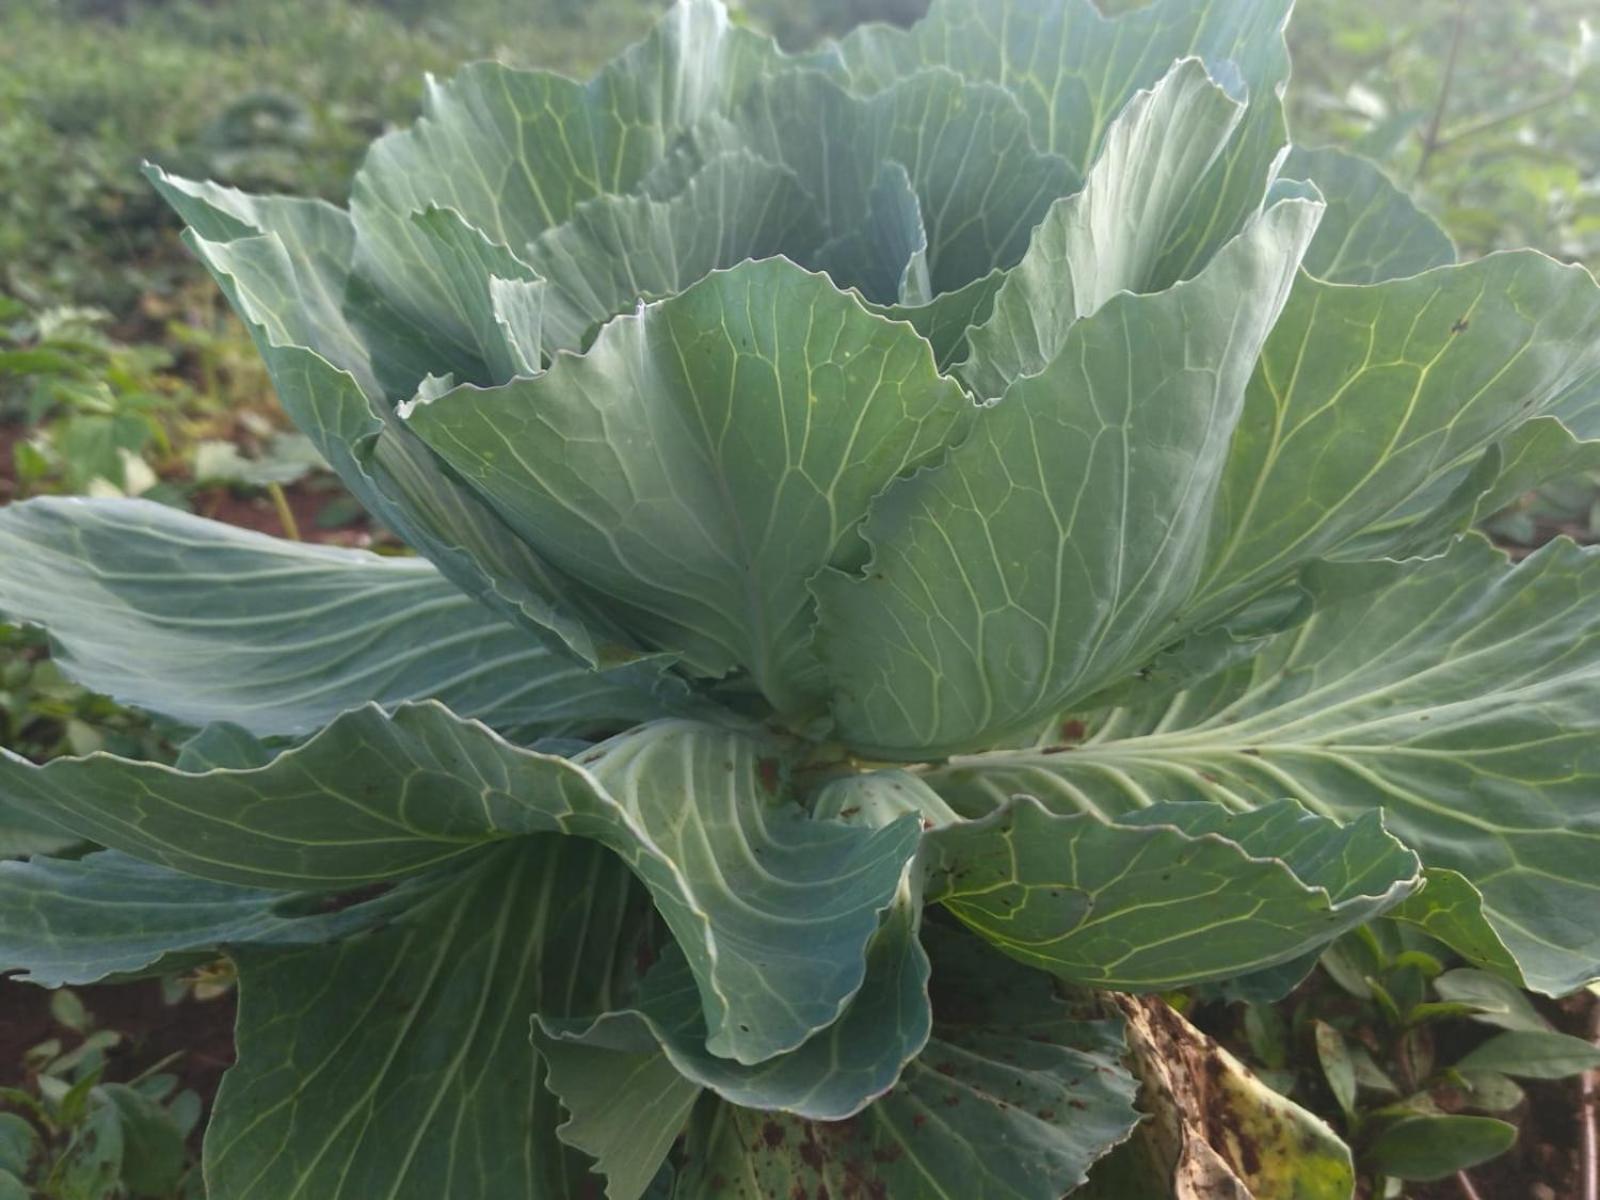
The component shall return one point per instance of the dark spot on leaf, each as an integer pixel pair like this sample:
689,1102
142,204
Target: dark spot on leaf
845,813
767,772
1073,731
1460,326
772,1134
1249,1156
1252,752
339,901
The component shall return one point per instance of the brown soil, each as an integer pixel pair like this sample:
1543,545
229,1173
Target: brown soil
308,500
306,504
199,1032
1546,531
10,435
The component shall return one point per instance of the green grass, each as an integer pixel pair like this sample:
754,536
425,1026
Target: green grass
283,95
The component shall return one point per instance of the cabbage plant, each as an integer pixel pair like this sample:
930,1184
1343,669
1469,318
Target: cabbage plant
918,546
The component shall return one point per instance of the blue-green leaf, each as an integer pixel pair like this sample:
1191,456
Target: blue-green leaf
397,1062
1114,235
206,622
774,910
1165,896
707,456
615,251
1457,695
1049,553
1018,1092
1372,230
73,921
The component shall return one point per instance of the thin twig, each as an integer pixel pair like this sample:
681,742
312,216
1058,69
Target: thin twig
1430,140
1516,112
155,1068
1468,1192
291,529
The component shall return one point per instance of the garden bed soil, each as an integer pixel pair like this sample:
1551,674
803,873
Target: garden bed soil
307,504
310,502
199,1032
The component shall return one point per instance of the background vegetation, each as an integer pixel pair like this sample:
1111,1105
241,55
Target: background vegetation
121,372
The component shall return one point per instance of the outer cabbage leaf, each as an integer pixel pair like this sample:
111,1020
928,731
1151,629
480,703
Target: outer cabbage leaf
1048,555
202,621
831,1077
1166,896
1366,396
72,921
708,456
775,910
1372,231
285,267
1455,694
1213,1131
396,1063
1020,1090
